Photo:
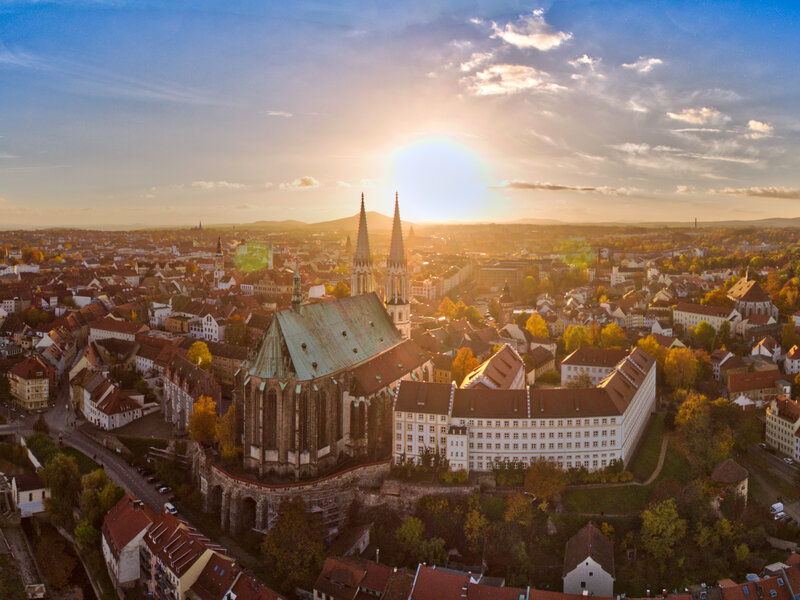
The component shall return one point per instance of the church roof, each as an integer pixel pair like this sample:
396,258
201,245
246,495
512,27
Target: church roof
362,244
320,339
397,253
748,290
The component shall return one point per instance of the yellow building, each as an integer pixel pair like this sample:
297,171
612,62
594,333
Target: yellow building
29,382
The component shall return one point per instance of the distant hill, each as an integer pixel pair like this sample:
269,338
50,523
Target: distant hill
376,222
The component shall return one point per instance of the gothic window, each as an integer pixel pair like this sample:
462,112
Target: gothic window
271,421
322,420
303,417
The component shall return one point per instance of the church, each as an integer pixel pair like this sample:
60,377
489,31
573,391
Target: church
320,386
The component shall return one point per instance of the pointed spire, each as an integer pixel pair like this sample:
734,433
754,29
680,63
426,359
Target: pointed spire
297,293
397,253
219,246
362,242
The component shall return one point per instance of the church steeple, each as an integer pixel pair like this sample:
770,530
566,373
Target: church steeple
397,297
219,264
297,292
361,280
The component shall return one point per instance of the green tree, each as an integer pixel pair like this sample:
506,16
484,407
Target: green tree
724,334
87,536
475,528
293,549
536,326
612,336
62,479
200,355
432,552
203,420
662,529
464,363
742,553
704,333
99,494
789,335
409,536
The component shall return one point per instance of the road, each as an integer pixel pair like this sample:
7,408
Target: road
788,472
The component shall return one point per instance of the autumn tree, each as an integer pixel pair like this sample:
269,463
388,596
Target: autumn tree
199,355
576,336
203,420
612,336
61,477
293,548
704,431
475,524
544,479
705,333
662,529
463,364
717,297
447,308
340,290
54,559
650,345
680,368
789,335
536,326
518,510
229,433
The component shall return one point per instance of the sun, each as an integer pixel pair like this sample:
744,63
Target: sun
439,179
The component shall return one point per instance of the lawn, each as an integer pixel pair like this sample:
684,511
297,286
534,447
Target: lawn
85,464
645,458
140,446
625,499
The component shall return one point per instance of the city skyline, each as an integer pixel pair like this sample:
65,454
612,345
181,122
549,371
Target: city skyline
160,114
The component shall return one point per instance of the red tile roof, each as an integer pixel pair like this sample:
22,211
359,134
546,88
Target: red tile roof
125,521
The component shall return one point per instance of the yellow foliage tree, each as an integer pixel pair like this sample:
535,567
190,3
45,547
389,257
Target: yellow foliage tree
203,420
463,363
537,326
229,433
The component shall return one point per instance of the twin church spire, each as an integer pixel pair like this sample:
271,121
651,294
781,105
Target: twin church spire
396,290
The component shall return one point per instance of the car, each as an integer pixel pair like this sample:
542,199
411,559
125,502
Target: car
779,515
169,507
788,461
164,489
763,446
152,479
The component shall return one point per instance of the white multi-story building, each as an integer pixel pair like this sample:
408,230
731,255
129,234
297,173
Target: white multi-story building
592,364
782,423
572,427
108,328
791,365
690,315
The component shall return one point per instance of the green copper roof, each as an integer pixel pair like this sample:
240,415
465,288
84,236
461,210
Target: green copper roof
321,339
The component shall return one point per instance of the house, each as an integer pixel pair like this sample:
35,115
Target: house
123,531
731,478
541,361
592,364
29,382
174,555
351,578
107,327
184,383
689,315
589,563
29,493
435,583
782,423
767,347
718,358
757,387
791,365
504,370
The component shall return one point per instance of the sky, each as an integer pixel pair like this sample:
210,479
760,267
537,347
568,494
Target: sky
162,113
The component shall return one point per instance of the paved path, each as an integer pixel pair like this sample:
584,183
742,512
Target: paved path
19,550
656,472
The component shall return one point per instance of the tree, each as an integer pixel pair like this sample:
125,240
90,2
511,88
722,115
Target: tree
724,334
54,559
518,510
612,336
662,529
446,308
654,349
680,368
789,335
544,479
62,479
717,297
191,268
576,336
87,536
536,326
475,528
293,549
99,494
340,290
464,363
203,420
705,333
229,433
199,355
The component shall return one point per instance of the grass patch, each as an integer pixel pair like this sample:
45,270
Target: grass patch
625,499
11,586
85,464
645,459
140,446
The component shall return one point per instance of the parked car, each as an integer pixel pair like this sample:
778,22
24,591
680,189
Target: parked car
170,508
779,516
164,489
152,479
788,461
763,445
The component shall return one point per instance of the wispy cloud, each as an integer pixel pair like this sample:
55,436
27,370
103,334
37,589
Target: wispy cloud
219,185
553,187
531,32
245,207
301,183
643,64
363,184
782,193
700,116
509,79
17,58
685,189
278,113
476,60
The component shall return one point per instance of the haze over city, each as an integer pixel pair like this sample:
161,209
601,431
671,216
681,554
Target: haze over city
164,113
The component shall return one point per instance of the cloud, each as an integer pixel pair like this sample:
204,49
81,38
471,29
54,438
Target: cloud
531,32
700,116
363,184
218,185
685,189
509,79
301,183
245,207
277,113
588,65
782,193
759,129
643,65
15,58
552,187
476,60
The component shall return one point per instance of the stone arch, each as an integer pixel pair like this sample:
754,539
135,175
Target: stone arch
248,511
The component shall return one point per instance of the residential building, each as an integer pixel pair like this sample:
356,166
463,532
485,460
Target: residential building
689,315
29,382
504,370
123,532
782,423
757,388
591,365
184,383
791,365
589,563
352,578
108,328
29,493
571,427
